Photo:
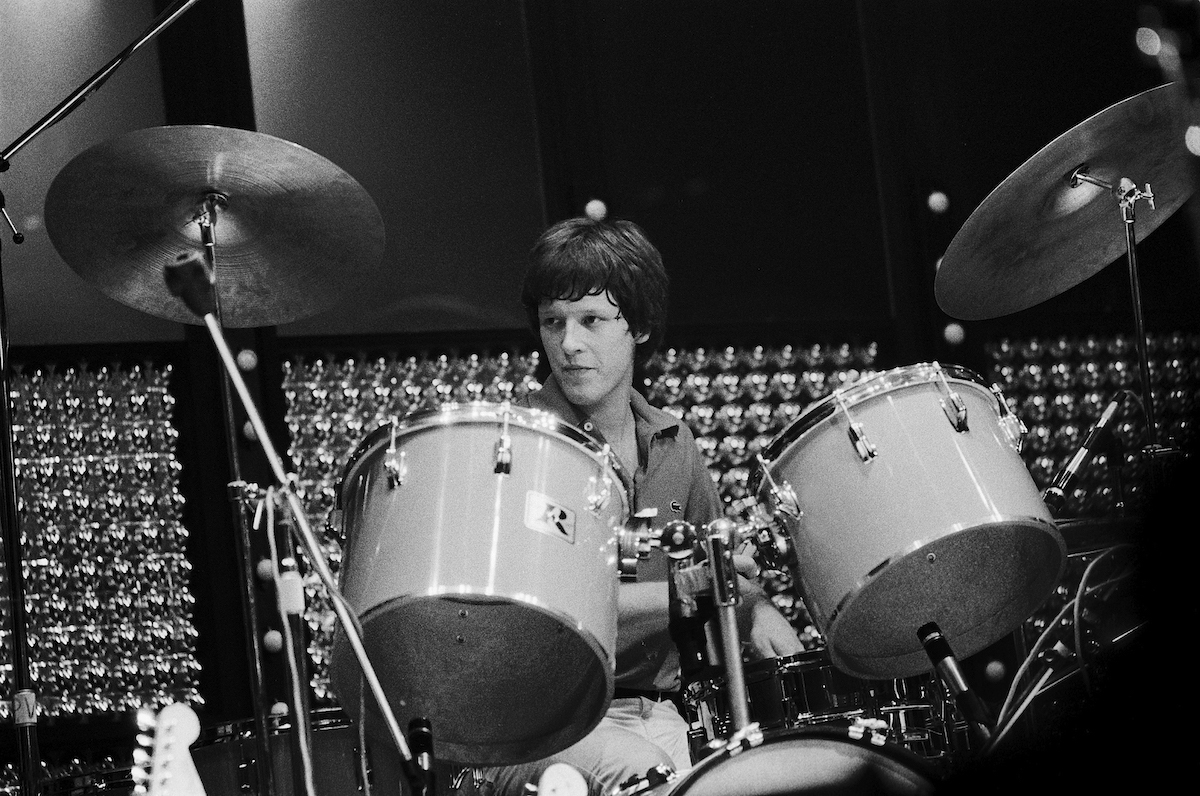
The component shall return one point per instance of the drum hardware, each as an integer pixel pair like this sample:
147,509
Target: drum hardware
24,697
504,448
952,403
858,436
1010,422
393,463
193,280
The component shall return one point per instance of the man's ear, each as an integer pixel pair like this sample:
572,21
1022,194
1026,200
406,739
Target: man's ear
641,338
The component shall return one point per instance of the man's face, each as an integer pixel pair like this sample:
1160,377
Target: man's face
590,347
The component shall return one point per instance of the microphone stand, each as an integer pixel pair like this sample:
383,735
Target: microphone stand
24,699
189,278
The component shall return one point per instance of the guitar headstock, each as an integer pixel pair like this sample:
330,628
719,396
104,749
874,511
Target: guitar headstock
166,767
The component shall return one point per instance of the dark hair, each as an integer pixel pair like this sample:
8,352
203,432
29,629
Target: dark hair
584,257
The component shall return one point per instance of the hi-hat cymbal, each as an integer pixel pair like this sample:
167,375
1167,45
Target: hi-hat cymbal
292,230
1036,236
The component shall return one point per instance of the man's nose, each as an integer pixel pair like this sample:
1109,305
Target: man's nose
572,339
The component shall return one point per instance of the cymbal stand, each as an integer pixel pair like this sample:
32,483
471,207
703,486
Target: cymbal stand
1127,195
189,278
24,699
206,220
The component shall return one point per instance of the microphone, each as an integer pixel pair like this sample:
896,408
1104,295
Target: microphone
979,720
420,740
1055,495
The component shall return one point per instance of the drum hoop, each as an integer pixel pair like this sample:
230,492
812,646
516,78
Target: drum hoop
893,752
448,413
852,394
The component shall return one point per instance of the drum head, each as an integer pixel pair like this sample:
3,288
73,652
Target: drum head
805,762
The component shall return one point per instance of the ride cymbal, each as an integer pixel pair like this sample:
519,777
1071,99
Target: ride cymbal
1036,235
292,230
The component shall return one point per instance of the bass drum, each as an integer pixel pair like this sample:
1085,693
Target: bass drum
804,762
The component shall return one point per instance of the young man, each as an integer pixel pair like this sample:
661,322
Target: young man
596,295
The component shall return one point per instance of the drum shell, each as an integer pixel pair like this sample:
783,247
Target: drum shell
822,760
491,621
784,692
939,526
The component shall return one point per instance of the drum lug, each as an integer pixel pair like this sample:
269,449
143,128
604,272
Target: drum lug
396,468
858,436
393,465
862,445
503,464
956,408
599,491
783,495
1010,423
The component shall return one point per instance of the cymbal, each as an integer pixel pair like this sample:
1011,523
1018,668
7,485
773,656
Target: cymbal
1035,236
292,230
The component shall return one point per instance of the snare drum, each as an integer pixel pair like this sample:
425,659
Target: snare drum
822,760
481,559
907,502
781,693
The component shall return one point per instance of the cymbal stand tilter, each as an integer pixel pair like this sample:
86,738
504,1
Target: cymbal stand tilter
24,698
190,279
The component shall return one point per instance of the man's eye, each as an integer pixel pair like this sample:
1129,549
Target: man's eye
550,322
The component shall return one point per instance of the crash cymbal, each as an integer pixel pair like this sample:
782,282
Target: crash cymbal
293,232
1036,236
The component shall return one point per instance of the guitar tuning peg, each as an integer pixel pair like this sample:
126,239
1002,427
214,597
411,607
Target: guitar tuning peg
146,719
145,740
141,758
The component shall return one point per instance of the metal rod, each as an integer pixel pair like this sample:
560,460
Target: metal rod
720,544
207,221
316,556
24,698
1135,290
76,98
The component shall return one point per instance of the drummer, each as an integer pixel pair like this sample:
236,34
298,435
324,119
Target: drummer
596,295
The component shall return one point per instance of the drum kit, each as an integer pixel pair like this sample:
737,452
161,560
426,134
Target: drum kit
485,542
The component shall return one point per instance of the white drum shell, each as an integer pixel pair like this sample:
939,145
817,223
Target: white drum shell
480,611
940,525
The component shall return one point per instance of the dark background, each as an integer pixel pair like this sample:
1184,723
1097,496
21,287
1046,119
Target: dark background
779,153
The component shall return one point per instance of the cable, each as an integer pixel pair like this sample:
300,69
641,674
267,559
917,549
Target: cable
1052,627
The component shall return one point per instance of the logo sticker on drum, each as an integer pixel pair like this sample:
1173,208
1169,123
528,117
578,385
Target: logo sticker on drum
545,516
